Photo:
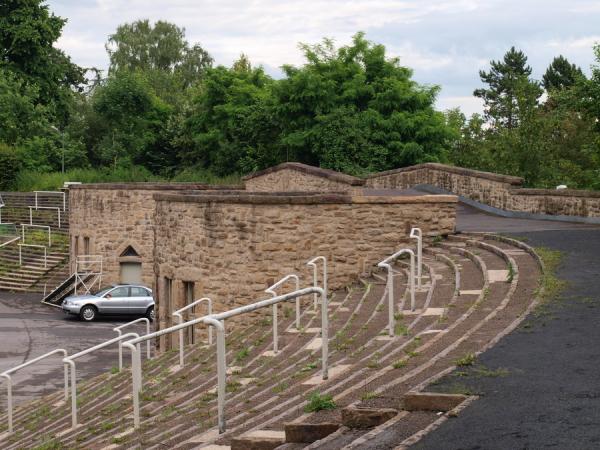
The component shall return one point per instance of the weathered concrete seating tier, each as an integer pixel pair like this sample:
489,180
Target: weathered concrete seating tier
265,391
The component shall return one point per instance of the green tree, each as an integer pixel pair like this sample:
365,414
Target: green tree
157,49
561,74
353,109
130,119
508,85
27,33
228,127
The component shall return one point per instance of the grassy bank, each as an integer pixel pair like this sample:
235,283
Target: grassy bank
30,180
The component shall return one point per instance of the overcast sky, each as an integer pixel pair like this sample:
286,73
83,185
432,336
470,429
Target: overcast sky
445,42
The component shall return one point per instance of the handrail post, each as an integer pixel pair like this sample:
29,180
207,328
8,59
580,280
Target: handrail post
9,401
390,289
390,285
73,391
412,281
179,320
325,334
120,350
221,370
417,234
134,379
297,305
312,263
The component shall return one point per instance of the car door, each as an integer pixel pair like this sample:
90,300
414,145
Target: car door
115,301
139,300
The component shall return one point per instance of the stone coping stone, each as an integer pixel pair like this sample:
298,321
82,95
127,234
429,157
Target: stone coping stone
311,170
556,192
308,433
359,417
151,186
432,401
258,440
516,181
298,198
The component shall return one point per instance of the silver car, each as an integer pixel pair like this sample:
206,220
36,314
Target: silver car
120,299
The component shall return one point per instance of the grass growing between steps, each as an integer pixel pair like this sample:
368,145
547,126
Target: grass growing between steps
550,286
319,402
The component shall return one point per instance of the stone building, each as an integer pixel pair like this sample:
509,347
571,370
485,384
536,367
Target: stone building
231,242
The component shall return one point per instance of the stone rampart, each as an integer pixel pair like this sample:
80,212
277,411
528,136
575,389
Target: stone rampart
231,247
498,191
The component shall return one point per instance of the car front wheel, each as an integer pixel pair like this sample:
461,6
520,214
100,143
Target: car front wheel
150,315
88,313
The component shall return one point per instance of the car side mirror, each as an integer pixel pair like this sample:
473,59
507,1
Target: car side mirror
107,296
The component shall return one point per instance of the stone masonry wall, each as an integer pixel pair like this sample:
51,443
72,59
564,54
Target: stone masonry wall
498,191
113,216
232,247
297,177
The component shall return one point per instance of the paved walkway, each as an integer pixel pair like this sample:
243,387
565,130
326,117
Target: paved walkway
550,395
29,329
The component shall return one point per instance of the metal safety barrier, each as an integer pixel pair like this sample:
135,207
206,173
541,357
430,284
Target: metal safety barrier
217,321
59,193
118,330
6,374
45,227
417,234
271,290
313,263
180,320
70,361
386,263
31,208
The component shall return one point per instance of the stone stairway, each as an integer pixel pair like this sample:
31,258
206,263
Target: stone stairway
33,275
476,289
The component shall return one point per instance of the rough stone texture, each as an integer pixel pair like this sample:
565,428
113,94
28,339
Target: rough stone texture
232,246
114,216
499,191
296,177
355,417
432,401
308,432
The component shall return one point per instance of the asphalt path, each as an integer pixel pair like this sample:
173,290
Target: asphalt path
540,385
29,329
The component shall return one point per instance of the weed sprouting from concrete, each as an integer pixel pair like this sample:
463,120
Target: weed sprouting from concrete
318,402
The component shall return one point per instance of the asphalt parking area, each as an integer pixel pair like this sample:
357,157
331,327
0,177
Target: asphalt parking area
29,329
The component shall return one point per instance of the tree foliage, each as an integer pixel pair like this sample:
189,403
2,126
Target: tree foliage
561,74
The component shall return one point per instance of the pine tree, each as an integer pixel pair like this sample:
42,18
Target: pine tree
508,82
561,74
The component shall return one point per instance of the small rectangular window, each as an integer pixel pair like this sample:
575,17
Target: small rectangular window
168,297
188,288
86,245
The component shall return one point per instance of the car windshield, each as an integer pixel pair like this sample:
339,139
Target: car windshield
103,292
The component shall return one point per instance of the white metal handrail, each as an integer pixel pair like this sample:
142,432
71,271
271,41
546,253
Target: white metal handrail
217,321
180,320
31,208
416,233
6,374
4,244
271,290
88,266
45,227
119,332
35,246
386,263
70,361
64,197
313,263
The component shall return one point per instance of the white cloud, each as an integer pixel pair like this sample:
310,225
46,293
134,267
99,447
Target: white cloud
446,42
